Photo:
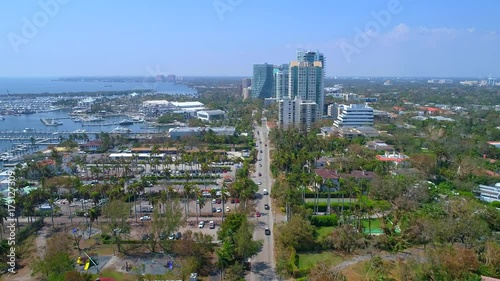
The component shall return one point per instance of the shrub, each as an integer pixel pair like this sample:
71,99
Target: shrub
328,220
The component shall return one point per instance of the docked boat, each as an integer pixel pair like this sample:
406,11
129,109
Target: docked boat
2,118
28,130
92,119
137,119
79,131
120,130
125,122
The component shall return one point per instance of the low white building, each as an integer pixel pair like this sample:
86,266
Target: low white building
488,193
354,115
211,115
160,107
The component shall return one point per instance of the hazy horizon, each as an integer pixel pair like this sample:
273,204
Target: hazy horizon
224,38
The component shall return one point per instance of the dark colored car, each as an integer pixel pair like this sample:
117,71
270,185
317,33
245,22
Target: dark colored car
257,214
218,201
163,236
260,174
237,200
232,201
214,210
266,206
267,231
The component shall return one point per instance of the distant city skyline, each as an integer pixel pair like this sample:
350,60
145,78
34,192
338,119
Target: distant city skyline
389,38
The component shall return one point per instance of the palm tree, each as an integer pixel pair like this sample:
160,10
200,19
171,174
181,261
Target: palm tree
70,201
188,189
4,213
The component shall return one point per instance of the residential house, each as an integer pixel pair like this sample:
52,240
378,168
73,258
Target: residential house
93,145
379,145
334,177
398,159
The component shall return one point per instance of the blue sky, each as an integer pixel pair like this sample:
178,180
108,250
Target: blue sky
225,37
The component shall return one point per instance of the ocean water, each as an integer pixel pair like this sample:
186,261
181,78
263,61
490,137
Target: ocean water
51,85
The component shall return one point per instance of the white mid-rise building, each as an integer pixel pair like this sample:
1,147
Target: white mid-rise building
281,76
354,115
297,113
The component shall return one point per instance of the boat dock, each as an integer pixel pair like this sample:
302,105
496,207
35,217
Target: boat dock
50,122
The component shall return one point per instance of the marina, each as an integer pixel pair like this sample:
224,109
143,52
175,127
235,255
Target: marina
31,128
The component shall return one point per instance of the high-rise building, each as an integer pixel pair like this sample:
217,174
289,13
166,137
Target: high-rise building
300,90
306,81
491,81
354,115
310,56
297,113
246,82
247,92
262,81
171,78
281,81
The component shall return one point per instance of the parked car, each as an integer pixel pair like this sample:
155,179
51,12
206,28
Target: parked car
201,224
145,237
232,201
259,183
145,218
260,174
237,200
175,236
211,225
227,209
219,210
265,192
267,231
266,206
257,214
218,201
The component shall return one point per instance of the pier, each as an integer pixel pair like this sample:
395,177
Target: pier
50,122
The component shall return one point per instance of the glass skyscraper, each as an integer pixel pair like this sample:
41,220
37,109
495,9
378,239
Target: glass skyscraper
263,81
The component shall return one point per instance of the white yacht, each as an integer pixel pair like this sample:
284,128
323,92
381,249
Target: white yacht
120,130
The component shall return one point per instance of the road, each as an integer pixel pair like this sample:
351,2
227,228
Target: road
263,265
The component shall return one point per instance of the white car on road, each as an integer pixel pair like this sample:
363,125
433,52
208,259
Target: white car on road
201,224
145,218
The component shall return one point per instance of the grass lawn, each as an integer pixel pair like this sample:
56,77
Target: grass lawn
375,223
311,259
324,231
